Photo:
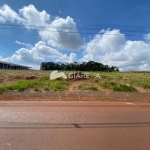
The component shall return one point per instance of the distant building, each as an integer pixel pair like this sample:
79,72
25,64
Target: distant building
6,65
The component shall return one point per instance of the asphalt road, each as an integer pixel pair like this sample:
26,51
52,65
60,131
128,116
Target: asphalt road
74,126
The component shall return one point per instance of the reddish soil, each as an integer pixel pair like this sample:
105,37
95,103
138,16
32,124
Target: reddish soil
101,95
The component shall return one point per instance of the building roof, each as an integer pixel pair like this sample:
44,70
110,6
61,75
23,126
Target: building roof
12,64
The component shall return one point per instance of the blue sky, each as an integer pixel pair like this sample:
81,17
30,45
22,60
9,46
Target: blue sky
113,32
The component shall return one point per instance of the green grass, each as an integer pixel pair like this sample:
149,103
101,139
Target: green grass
59,85
144,83
26,84
117,81
108,85
87,87
118,87
36,89
124,88
96,80
46,89
19,85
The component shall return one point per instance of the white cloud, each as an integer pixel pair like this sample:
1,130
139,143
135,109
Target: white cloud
108,47
69,59
8,15
31,18
35,67
144,67
115,50
27,56
44,50
24,44
28,16
106,41
1,58
37,54
65,39
8,59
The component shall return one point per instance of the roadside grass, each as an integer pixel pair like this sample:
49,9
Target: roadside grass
87,87
117,81
37,89
46,89
96,80
144,83
108,85
19,85
59,85
22,85
118,87
124,88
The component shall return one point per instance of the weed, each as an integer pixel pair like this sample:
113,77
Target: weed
118,87
87,87
59,86
124,88
36,89
108,85
46,89
96,80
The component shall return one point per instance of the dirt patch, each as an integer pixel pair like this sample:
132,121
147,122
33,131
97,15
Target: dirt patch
77,95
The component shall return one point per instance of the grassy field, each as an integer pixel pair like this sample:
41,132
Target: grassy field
39,81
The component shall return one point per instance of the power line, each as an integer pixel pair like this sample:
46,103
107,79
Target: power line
83,26
11,26
70,32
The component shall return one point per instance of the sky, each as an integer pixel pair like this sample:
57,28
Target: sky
112,32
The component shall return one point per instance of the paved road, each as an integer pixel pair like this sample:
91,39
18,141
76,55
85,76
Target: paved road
74,126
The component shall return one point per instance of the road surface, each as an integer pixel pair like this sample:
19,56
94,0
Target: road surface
74,126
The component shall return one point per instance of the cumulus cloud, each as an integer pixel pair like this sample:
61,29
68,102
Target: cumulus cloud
8,59
106,41
147,36
24,44
144,67
32,18
57,33
113,49
27,56
108,46
8,15
69,59
45,50
62,33
37,54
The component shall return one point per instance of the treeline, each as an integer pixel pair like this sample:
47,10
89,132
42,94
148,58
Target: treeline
84,66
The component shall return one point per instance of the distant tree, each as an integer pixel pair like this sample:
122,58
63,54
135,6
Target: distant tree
84,66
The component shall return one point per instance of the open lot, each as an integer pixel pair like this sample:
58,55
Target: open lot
111,86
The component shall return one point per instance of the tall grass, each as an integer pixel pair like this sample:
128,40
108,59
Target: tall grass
26,84
118,87
87,87
59,86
